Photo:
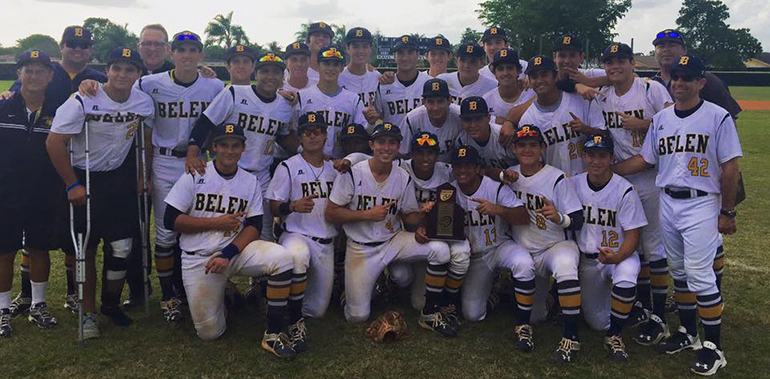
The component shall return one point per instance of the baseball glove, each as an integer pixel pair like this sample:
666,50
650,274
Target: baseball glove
390,326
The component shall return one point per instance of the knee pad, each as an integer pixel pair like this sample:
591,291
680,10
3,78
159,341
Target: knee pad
116,261
121,248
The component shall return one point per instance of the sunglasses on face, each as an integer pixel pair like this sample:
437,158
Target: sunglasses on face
77,44
684,78
312,132
669,34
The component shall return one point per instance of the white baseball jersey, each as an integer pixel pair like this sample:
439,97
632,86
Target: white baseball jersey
689,151
364,85
313,75
209,196
486,232
340,110
357,190
486,71
394,100
177,107
111,127
425,190
608,212
643,100
550,183
499,107
294,179
564,147
459,91
262,122
289,87
493,154
417,121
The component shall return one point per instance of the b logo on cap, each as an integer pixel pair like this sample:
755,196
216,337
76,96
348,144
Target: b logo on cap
351,129
78,32
126,53
229,129
503,53
311,118
295,45
684,60
34,54
493,31
239,48
614,49
525,129
472,105
322,25
469,49
435,86
597,139
461,153
439,42
566,41
387,127
405,39
538,61
359,32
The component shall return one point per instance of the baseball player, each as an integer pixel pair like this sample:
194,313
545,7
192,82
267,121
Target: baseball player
398,98
339,106
218,217
565,118
239,62
180,95
554,210
568,54
354,139
608,241
436,115
628,106
34,197
467,81
506,66
263,115
112,117
493,40
438,55
483,135
370,202
356,76
319,37
695,146
297,58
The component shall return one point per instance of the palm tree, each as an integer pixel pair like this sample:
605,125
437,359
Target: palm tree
222,32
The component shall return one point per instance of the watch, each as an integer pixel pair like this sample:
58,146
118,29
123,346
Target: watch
731,213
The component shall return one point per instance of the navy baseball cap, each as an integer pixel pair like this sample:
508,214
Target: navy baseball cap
425,140
240,50
124,54
492,32
331,53
386,129
320,27
354,131
528,131
473,106
76,34
671,35
297,48
470,49
406,42
186,37
33,56
540,62
311,119
358,34
689,65
617,50
227,130
465,154
568,42
439,43
508,56
270,59
435,88
600,141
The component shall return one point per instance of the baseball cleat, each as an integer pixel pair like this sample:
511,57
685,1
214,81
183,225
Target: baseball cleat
567,351
279,345
171,311
298,336
710,360
71,303
5,323
116,315
435,321
40,316
524,340
653,332
638,315
616,348
451,316
133,302
20,305
90,326
680,341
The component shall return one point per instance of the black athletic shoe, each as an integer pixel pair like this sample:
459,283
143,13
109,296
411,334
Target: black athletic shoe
616,348
20,305
5,323
452,316
279,345
567,351
40,316
298,336
638,315
653,332
524,339
680,341
436,322
116,315
710,360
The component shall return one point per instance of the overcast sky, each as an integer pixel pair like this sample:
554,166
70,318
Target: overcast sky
266,21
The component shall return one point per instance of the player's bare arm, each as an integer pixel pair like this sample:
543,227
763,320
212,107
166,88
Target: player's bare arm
512,120
630,243
56,144
729,178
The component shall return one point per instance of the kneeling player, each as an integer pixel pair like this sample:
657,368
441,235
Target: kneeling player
208,210
610,235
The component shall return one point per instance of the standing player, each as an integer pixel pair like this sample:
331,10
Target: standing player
319,37
568,54
356,76
113,117
398,98
438,55
297,58
371,201
180,95
565,117
494,40
608,240
436,115
354,139
218,216
483,135
554,210
239,62
467,81
628,106
695,146
506,66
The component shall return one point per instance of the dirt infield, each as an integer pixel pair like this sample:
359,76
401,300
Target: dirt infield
754,105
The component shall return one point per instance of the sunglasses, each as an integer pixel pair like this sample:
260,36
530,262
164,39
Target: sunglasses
187,37
271,58
669,34
426,141
526,133
313,132
78,44
684,78
332,53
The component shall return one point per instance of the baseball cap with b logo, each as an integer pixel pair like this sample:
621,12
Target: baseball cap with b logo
124,54
540,62
493,32
240,50
600,141
186,37
354,131
689,65
406,42
386,129
435,88
508,56
473,106
331,53
33,56
568,42
439,43
670,35
76,34
358,34
311,119
470,49
617,50
227,130
425,140
270,59
320,27
297,48
528,131
465,154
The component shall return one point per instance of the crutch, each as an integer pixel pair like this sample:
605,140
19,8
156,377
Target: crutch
79,240
144,216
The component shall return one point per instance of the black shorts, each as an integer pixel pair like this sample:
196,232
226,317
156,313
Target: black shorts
114,209
21,227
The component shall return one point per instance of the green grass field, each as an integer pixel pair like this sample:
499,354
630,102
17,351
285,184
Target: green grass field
150,348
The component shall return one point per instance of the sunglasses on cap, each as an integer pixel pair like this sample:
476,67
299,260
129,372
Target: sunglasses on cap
187,37
526,132
271,58
596,141
332,53
75,44
668,34
426,141
313,131
684,78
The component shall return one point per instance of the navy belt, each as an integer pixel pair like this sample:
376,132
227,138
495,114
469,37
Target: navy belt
322,241
591,255
370,244
684,194
172,152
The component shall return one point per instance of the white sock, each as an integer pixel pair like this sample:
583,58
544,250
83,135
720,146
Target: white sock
38,292
5,300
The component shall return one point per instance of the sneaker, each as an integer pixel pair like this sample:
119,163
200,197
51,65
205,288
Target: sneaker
653,332
436,322
680,341
5,323
40,316
616,348
671,304
638,315
71,303
116,315
279,345
451,316
90,326
298,336
20,305
524,340
710,360
171,311
567,351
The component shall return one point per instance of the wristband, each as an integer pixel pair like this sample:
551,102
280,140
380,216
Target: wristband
230,251
284,209
566,221
77,183
502,176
